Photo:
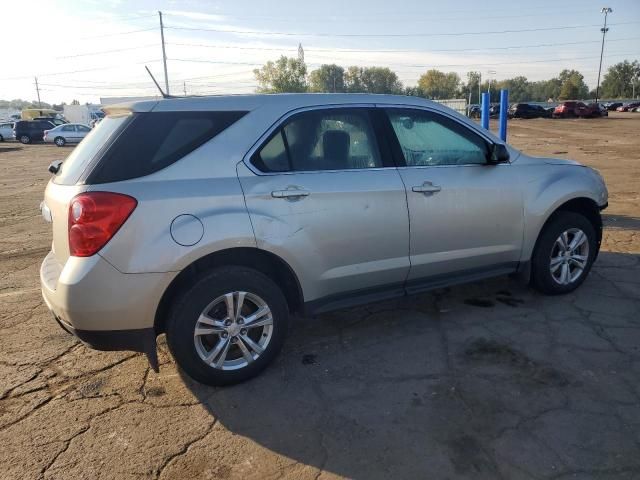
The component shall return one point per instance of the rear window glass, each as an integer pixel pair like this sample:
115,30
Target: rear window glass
75,164
153,141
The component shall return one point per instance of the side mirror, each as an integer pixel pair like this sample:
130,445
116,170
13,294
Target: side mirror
498,153
54,167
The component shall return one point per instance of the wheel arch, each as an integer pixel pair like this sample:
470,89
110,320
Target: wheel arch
266,262
584,206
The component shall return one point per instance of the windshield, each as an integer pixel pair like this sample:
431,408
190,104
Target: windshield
75,164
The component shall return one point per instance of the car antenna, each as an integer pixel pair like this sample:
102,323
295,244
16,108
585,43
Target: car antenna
164,95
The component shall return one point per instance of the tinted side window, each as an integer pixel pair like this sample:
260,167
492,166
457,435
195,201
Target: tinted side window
273,156
332,139
68,128
429,139
153,141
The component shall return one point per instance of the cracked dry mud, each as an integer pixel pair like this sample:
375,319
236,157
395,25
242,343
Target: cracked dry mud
483,381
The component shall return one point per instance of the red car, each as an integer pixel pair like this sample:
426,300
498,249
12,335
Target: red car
574,109
627,107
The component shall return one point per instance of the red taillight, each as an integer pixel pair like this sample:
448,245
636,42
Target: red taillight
95,217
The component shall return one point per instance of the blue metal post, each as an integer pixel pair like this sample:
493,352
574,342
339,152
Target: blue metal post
484,120
504,108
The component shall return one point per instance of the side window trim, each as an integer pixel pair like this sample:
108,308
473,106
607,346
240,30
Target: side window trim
281,122
286,147
396,148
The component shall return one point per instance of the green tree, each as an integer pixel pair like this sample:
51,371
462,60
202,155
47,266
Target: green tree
285,75
439,85
572,85
519,89
619,80
380,80
19,104
353,80
327,78
371,80
543,90
414,91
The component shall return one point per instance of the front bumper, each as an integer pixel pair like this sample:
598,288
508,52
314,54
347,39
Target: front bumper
106,309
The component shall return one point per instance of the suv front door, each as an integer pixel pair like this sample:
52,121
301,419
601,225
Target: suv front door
465,215
324,197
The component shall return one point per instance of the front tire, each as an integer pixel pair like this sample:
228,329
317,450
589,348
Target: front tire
25,139
564,254
228,325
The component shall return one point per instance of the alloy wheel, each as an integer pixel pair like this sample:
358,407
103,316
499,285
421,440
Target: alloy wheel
233,330
569,256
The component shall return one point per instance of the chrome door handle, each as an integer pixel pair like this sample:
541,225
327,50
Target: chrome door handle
293,193
426,187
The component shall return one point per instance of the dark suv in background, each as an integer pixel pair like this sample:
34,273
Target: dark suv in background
525,110
27,131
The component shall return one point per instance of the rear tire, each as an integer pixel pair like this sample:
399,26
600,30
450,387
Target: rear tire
25,139
59,141
564,254
1,138
213,344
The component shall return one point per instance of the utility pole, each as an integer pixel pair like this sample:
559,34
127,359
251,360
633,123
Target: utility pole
490,74
164,56
184,86
604,30
38,91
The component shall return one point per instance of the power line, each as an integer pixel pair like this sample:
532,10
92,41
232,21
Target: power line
198,60
435,65
341,50
79,71
97,87
106,51
388,35
412,15
116,34
132,17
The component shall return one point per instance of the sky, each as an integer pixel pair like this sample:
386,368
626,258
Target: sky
87,49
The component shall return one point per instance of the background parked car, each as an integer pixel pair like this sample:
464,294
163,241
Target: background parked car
27,131
572,109
474,111
611,106
598,110
55,121
6,132
525,110
627,107
67,133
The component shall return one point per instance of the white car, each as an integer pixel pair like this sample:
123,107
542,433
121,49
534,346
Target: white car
6,132
67,133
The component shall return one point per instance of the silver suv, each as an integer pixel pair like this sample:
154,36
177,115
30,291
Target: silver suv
212,219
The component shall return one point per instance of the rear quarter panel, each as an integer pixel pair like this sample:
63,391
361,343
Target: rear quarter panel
145,243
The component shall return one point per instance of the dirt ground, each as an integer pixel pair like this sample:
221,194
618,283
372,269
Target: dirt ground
483,381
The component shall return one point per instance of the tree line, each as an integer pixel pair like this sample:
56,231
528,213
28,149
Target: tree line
290,75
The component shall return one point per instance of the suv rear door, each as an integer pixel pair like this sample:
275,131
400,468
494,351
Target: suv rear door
327,199
466,216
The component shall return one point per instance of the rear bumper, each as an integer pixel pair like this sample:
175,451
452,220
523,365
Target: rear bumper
137,340
106,309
